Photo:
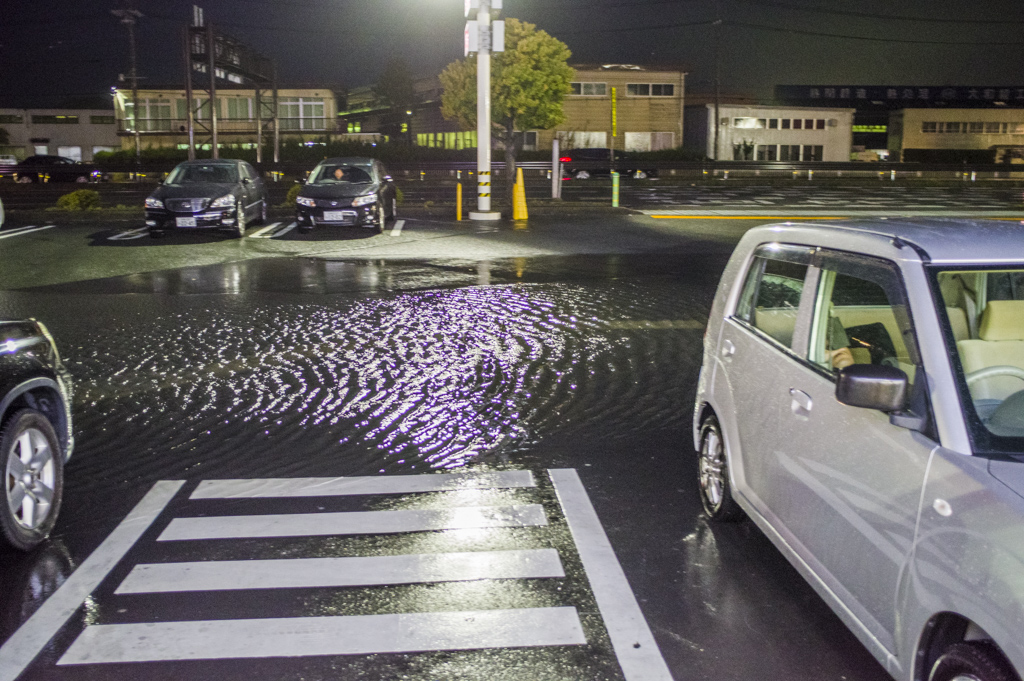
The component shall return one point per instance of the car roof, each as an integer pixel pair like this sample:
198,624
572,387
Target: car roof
961,241
350,160
209,161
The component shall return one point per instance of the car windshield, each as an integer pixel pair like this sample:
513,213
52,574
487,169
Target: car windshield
213,172
337,173
984,311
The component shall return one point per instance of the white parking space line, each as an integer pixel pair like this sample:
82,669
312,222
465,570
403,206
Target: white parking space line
307,636
130,234
8,234
23,646
229,575
290,227
365,522
258,234
634,645
379,484
397,229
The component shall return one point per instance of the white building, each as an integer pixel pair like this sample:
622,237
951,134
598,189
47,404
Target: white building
74,133
780,133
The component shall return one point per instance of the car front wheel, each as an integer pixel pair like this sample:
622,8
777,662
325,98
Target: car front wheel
382,219
972,661
33,478
713,474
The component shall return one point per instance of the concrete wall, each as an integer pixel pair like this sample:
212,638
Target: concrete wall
84,131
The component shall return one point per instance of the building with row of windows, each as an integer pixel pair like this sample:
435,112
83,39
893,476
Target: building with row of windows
75,133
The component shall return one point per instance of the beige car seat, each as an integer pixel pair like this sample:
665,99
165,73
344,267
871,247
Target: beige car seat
1000,343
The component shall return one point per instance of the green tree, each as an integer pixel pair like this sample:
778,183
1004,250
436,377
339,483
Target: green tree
529,83
395,90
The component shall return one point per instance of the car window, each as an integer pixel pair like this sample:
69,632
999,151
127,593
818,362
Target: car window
861,316
335,173
771,295
984,312
198,173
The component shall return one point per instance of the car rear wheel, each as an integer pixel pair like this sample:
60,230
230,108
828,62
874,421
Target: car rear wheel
972,661
394,209
81,179
582,175
25,179
713,474
640,175
33,478
262,219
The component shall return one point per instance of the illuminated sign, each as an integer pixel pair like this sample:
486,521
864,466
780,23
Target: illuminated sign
913,95
870,128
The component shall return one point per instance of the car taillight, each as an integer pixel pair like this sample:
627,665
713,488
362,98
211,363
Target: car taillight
565,159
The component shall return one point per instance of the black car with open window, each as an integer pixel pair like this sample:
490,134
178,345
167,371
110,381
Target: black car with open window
347,192
210,194
35,431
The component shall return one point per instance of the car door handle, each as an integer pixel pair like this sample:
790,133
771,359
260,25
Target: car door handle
802,403
728,348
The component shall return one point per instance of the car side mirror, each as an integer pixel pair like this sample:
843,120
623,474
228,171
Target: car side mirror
873,386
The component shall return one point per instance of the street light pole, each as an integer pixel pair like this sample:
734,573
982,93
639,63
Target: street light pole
128,17
483,112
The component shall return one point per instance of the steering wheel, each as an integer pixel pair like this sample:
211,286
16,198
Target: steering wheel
993,371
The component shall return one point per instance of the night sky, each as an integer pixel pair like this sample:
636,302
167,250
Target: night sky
53,50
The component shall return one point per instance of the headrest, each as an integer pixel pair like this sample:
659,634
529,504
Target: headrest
1002,320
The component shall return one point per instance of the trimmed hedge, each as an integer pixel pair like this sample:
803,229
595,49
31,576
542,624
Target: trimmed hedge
81,199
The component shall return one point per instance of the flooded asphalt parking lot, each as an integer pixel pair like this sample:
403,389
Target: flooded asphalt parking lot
481,385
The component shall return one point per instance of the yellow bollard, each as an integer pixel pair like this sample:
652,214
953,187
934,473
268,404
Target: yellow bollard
519,211
458,201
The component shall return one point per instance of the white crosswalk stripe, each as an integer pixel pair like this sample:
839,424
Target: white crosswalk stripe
309,636
291,573
394,484
364,522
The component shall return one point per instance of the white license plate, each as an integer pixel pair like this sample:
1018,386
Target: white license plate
334,216
185,222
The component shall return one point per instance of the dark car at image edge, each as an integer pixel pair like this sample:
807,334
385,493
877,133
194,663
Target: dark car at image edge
216,194
35,431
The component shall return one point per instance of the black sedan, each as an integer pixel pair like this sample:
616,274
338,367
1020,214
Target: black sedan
35,431
42,168
582,164
218,194
347,191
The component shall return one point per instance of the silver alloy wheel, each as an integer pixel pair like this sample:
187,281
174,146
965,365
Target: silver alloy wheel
582,175
263,212
394,209
965,677
239,220
712,459
30,479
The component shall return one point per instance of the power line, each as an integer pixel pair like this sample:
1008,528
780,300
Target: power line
778,29
872,15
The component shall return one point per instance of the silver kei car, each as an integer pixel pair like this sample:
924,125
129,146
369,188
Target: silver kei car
861,400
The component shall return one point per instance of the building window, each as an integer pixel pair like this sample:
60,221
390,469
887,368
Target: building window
951,127
929,126
240,109
789,152
72,152
530,140
301,113
976,128
357,126
154,115
650,89
786,123
819,124
993,128
11,118
55,120
663,90
638,89
767,152
102,120
1015,128
798,124
589,89
102,148
749,123
773,123
814,152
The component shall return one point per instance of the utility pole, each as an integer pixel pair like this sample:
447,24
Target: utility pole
128,17
718,72
480,37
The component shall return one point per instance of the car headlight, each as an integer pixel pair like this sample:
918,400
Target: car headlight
154,203
226,201
365,200
305,201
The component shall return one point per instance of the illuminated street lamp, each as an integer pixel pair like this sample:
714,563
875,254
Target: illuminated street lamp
483,36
